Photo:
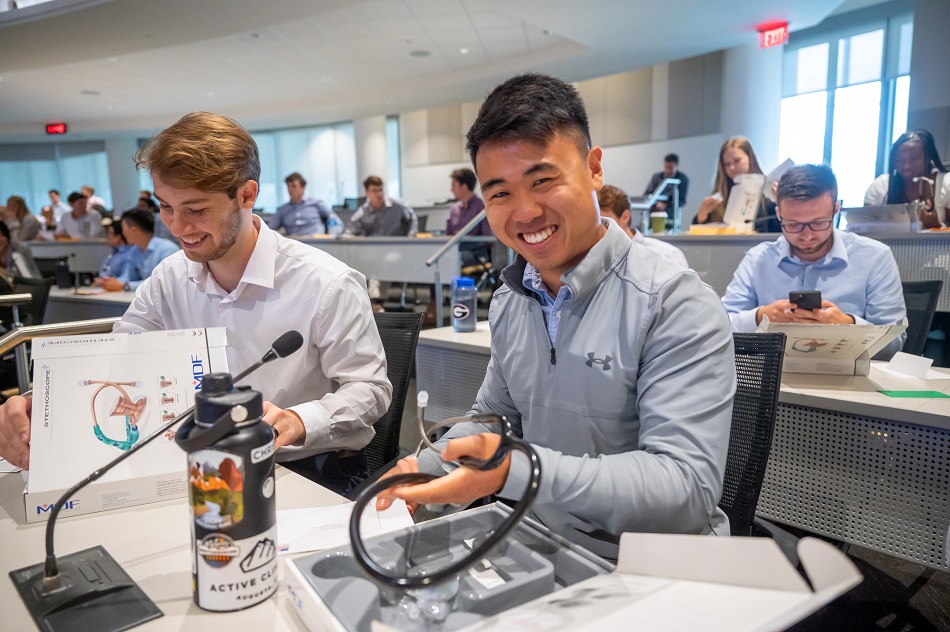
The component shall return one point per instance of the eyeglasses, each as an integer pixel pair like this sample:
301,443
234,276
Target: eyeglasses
814,225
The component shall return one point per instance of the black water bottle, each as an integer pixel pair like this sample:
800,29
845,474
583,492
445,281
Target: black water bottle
231,483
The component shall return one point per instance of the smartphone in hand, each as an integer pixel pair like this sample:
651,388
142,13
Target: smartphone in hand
805,299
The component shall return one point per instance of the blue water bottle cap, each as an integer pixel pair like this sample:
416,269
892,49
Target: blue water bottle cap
462,281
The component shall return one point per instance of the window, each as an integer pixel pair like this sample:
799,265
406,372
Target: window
841,91
393,166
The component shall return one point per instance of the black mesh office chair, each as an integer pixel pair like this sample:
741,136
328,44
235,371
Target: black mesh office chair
47,265
759,360
920,298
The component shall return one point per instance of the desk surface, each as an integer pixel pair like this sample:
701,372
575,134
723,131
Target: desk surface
152,543
70,295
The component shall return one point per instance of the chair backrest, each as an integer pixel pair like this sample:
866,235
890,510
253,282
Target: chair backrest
423,222
920,299
759,360
33,312
47,265
399,332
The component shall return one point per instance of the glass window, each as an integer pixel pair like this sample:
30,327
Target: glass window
901,97
393,186
802,132
903,54
854,140
806,69
860,58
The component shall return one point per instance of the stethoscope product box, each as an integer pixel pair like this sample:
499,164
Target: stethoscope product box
95,397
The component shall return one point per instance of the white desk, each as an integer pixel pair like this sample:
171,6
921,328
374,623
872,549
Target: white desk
66,306
152,543
847,461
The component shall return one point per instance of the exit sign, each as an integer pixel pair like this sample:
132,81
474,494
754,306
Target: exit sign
773,35
56,128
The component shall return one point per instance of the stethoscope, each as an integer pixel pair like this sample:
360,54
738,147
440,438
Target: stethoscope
509,442
132,411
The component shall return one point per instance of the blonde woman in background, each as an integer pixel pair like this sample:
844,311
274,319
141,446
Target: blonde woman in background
736,158
23,225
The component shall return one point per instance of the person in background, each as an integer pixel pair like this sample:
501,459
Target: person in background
736,158
857,276
145,194
15,258
48,219
120,264
379,216
138,228
916,175
148,204
59,207
91,198
23,225
615,204
671,164
466,206
303,215
593,343
82,223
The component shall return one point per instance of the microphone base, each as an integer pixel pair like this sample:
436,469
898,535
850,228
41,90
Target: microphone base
92,593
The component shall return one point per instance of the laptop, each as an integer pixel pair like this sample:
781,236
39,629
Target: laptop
878,220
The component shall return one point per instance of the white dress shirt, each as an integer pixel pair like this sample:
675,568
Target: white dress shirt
669,251
336,382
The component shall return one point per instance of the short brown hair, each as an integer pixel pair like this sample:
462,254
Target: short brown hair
465,176
203,151
372,181
613,199
295,177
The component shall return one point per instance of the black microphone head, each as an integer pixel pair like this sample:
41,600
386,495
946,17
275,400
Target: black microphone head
287,344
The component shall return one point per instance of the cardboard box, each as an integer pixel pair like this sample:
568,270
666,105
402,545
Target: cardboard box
832,349
97,396
661,582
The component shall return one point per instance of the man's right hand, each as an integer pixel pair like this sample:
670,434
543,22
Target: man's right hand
15,431
778,312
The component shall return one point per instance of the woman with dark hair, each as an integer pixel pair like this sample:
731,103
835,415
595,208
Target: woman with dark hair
15,258
916,175
736,158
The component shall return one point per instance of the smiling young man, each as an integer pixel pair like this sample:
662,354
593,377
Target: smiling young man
235,272
613,362
857,276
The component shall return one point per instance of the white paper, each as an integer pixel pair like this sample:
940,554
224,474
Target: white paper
6,466
743,203
907,364
317,529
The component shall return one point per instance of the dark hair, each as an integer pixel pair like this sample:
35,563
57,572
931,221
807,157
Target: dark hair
5,230
807,182
373,181
671,158
465,176
53,191
613,199
895,185
145,220
533,108
150,203
115,225
295,177
75,195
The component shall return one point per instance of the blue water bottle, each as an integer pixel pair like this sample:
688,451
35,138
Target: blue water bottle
464,301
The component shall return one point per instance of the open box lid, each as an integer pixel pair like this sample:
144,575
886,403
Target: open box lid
682,582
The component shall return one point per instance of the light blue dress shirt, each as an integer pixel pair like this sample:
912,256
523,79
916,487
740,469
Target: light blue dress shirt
551,307
859,275
157,250
120,263
310,217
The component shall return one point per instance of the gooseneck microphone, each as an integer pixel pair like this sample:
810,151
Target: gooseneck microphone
71,587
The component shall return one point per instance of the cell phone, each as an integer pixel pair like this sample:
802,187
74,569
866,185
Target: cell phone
805,299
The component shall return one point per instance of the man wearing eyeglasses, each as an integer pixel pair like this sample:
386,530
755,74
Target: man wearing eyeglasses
857,276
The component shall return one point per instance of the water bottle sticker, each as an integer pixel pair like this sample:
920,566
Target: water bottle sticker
217,550
250,579
267,488
460,311
261,453
217,488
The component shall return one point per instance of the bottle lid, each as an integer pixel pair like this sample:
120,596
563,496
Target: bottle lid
461,281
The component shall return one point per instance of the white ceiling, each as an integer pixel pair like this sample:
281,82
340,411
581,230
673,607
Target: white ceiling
120,65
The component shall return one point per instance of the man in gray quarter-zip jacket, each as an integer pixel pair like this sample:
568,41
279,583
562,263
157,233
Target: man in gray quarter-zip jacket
615,364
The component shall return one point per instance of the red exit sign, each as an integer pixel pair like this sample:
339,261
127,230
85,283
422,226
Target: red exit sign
56,128
773,35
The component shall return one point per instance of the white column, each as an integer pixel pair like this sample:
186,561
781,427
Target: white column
370,138
752,99
123,177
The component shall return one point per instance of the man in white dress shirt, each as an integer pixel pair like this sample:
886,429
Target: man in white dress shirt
615,204
235,272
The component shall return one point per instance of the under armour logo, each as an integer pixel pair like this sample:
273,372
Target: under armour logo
591,361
